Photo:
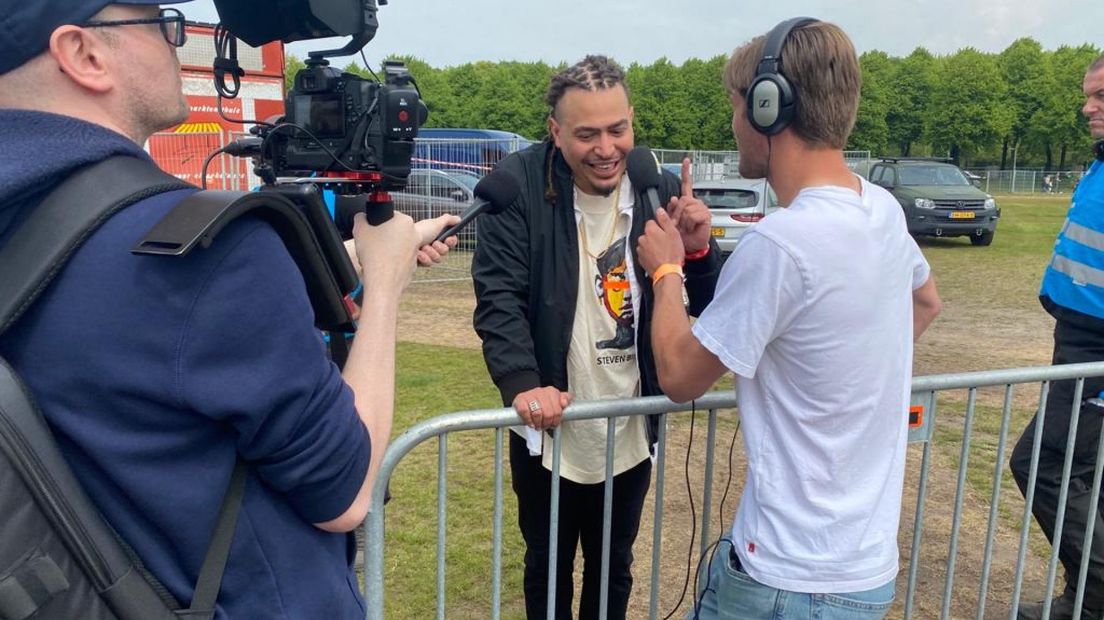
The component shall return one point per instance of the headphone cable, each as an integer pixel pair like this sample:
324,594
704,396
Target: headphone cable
693,514
728,482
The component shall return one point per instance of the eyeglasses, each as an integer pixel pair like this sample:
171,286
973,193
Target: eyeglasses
170,20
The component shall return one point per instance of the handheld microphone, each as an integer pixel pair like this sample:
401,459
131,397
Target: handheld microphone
1098,150
493,193
644,175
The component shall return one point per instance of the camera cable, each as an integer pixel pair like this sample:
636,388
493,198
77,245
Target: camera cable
368,66
226,63
225,67
207,162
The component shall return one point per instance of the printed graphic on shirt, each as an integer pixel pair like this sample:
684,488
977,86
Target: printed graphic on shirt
613,290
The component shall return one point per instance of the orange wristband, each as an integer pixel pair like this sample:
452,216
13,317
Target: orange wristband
666,269
702,253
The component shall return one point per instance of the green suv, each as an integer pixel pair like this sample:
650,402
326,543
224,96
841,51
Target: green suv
938,199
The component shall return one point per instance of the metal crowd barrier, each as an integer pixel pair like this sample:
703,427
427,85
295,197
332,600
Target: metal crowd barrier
926,391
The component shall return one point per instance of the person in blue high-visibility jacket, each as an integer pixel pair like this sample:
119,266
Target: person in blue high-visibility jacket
1073,292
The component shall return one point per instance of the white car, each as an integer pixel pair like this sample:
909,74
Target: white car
735,205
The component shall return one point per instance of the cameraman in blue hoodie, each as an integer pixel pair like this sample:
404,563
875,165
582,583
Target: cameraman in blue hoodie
157,375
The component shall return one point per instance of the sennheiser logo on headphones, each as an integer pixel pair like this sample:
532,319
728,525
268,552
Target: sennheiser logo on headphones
764,103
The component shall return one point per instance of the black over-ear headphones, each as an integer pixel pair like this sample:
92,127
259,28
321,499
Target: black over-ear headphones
771,100
1098,149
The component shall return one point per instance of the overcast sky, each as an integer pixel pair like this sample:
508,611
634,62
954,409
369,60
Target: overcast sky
454,32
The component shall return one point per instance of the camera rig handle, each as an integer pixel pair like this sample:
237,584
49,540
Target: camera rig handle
298,215
368,27
379,209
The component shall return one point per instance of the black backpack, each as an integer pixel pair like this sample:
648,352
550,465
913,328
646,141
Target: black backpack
58,557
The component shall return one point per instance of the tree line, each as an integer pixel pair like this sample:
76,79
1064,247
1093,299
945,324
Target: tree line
1021,106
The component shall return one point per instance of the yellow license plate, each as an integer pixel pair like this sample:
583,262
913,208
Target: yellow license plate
718,231
962,215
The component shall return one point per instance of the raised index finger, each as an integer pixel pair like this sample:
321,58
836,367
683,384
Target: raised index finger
687,182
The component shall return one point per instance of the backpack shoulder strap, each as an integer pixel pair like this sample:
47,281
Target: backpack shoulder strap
41,246
69,214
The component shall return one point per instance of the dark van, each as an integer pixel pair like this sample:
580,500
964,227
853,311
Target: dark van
938,198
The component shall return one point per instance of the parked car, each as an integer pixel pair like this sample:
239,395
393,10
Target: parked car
456,186
467,177
675,169
735,205
430,192
938,199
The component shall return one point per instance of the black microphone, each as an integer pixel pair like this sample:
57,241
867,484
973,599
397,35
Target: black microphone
644,175
493,193
1098,149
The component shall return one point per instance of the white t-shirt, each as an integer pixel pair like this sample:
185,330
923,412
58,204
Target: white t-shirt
813,312
601,359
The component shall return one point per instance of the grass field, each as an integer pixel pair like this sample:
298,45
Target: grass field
991,319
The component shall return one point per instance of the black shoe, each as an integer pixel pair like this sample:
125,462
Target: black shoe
1061,608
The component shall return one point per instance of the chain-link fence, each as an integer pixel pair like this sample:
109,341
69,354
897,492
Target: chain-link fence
705,165
716,165
475,156
1026,181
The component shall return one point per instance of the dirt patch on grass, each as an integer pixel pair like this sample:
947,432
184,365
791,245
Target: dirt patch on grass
439,313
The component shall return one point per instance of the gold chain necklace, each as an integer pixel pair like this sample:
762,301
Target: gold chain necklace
613,225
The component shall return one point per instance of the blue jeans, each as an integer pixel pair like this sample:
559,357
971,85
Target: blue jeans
733,595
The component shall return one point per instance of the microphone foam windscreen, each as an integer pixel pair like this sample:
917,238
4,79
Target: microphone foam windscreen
499,188
642,167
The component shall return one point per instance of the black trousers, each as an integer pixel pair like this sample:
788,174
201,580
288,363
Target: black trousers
1072,344
580,520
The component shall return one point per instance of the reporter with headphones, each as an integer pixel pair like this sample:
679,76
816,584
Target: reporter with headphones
1075,298
815,312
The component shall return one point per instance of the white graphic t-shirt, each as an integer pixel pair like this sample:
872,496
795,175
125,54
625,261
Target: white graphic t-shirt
601,361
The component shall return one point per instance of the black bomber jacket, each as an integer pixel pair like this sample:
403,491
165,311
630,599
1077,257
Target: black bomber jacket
525,271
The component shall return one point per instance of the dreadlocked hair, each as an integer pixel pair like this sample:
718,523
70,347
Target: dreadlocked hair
594,72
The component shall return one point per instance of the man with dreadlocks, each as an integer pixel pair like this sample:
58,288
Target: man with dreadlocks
563,309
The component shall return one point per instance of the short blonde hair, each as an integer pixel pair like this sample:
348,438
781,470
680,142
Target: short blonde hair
819,61
1096,64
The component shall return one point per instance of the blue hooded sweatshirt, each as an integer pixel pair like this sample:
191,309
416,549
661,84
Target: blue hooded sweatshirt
157,373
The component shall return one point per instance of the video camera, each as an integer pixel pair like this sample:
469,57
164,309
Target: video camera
348,122
339,128
339,132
